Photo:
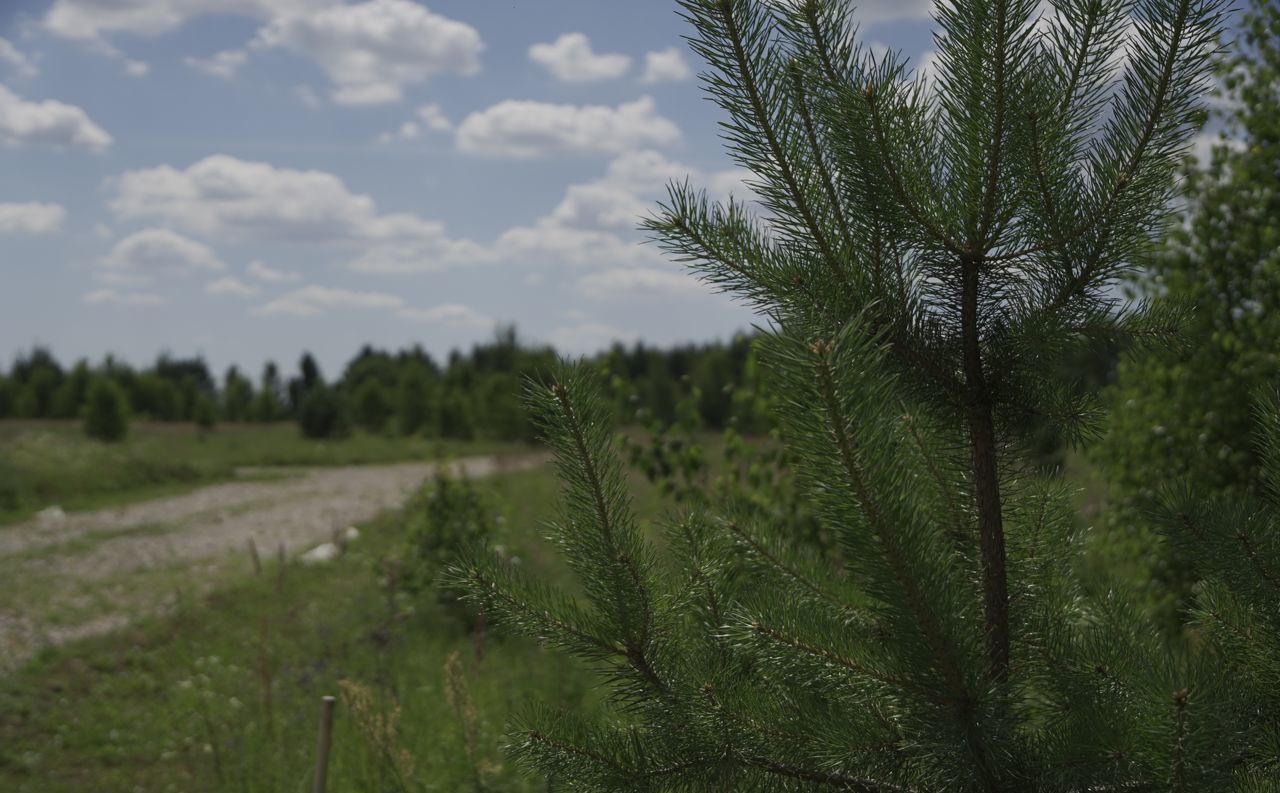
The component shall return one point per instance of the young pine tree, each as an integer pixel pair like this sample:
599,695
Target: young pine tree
927,251
106,411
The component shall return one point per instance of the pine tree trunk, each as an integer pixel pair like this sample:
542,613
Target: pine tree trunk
986,479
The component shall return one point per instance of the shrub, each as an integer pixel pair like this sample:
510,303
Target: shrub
106,412
204,413
446,516
322,414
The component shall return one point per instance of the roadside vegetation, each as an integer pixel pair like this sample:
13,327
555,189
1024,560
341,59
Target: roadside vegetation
52,463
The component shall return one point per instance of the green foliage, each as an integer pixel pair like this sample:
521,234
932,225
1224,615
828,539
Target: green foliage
1232,542
931,256
413,402
106,412
205,413
323,414
446,516
1184,415
237,396
221,692
754,474
371,406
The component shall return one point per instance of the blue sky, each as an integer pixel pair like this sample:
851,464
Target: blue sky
246,179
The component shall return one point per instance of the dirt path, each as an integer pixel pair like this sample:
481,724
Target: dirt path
92,572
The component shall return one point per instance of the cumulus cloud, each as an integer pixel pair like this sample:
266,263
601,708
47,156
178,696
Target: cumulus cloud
227,197
15,58
372,50
31,218
224,195
587,337
313,300
271,275
570,59
221,64
49,122
629,188
232,286
578,247
160,251
625,282
94,19
428,118
871,12
451,314
525,129
114,297
592,223
663,66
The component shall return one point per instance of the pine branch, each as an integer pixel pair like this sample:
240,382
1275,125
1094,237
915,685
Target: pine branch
928,621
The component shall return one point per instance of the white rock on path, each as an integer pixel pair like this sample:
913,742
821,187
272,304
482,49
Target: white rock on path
321,554
51,516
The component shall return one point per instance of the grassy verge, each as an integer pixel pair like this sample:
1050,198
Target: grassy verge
223,695
45,463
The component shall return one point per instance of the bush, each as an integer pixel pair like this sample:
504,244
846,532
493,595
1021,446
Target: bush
106,413
372,406
445,517
322,414
204,413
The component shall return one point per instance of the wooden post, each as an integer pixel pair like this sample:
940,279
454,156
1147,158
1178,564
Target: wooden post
321,782
253,554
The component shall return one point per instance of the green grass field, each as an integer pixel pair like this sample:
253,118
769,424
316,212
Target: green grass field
224,694
45,463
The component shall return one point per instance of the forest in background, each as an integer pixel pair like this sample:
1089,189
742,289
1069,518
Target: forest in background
472,394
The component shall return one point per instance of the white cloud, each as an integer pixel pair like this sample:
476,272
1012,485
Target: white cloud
524,129
113,297
578,247
136,68
622,282
48,122
94,19
221,64
14,57
409,130
224,196
666,65
31,218
230,285
872,12
591,224
587,337
262,272
314,300
450,314
156,251
429,118
570,59
372,50
630,187
434,119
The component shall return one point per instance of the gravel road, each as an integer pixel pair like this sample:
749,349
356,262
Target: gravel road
88,573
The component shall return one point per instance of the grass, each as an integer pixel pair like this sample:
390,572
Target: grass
46,463
223,694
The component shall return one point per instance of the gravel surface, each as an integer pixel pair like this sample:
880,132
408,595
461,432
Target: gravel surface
85,574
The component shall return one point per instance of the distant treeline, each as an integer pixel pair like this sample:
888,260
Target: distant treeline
475,394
